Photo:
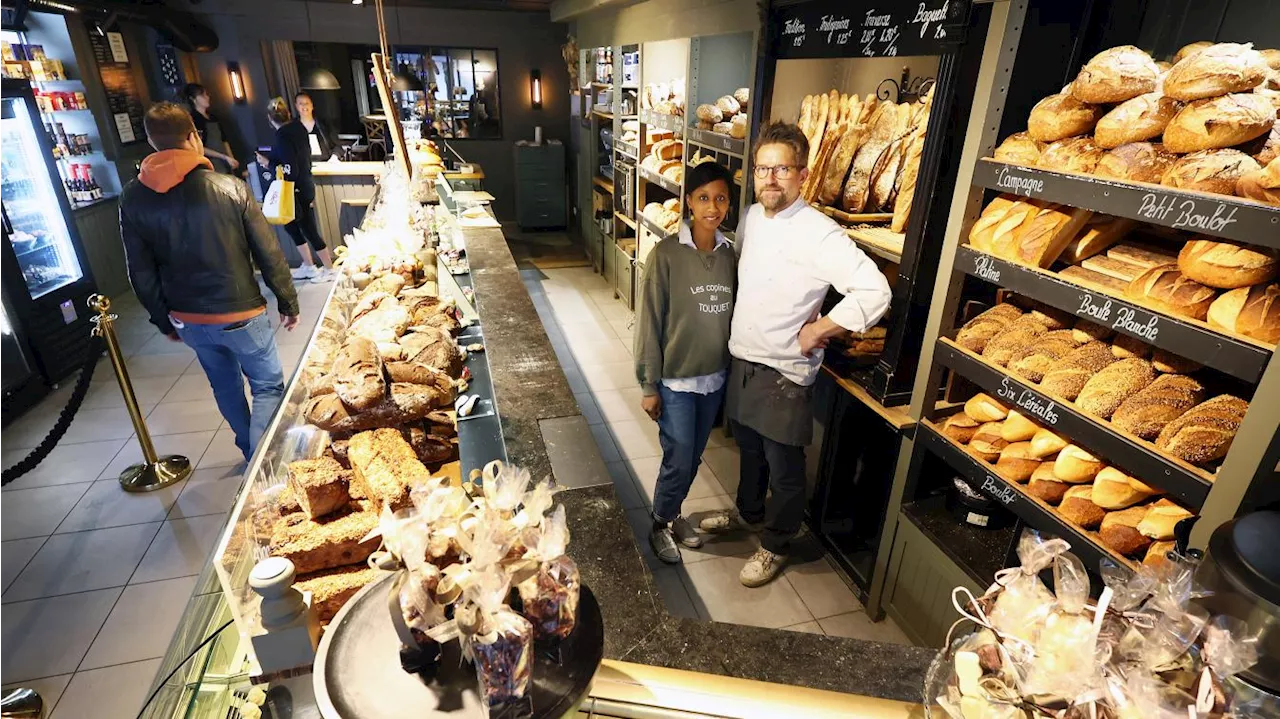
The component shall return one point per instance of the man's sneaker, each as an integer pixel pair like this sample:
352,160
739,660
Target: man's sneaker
685,533
762,568
664,545
304,272
729,521
322,276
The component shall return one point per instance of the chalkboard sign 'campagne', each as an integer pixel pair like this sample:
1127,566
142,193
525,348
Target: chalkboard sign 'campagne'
888,28
123,97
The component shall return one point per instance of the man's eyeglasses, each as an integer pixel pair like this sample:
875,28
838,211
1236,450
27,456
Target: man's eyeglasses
782,172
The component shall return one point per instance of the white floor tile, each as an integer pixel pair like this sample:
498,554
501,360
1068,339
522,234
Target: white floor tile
38,512
161,345
104,392
83,561
141,624
590,411
857,625
621,405
212,490
191,445
714,588
189,388
48,637
14,556
604,441
645,470
66,464
724,463
49,688
222,451
821,589
600,352
637,440
96,425
624,485
161,365
107,504
732,544
180,548
610,375
624,330
110,693
593,330
181,417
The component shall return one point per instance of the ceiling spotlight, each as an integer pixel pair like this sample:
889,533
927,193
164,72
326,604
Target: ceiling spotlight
357,2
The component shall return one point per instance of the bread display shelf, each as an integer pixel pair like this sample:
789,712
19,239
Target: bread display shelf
674,123
602,113
717,141
625,220
898,415
1237,356
1189,484
603,183
649,225
982,477
853,219
879,241
627,149
660,181
1224,216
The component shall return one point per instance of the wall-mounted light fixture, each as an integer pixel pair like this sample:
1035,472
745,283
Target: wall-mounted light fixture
237,82
535,88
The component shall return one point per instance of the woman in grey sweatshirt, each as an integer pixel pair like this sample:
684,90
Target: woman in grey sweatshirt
682,347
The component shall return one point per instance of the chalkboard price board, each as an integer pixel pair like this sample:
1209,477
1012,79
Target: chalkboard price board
123,96
836,28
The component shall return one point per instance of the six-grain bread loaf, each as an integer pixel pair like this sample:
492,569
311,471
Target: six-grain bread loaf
1205,432
1156,405
1115,383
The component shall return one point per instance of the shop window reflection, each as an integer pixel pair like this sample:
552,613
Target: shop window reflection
461,92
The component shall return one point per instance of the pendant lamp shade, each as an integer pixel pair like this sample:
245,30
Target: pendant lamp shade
319,79
406,80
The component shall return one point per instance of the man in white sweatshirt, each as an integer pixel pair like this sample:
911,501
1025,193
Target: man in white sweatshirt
790,255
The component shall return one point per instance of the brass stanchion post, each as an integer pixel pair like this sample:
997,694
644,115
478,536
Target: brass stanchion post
154,472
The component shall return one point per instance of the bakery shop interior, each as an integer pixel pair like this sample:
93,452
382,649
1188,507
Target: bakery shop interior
1039,481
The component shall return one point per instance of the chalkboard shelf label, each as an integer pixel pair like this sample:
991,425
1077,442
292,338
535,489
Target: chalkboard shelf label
831,28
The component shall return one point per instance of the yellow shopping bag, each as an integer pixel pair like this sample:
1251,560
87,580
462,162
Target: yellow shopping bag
278,203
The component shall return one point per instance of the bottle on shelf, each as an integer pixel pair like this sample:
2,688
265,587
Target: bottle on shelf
95,191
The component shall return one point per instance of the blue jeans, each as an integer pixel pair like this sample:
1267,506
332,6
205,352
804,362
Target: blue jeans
683,428
227,350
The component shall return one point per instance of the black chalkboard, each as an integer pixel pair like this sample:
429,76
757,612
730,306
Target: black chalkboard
889,28
123,96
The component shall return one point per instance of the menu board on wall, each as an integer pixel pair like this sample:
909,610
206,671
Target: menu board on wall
123,97
888,28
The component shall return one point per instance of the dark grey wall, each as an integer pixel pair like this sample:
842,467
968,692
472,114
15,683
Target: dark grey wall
523,40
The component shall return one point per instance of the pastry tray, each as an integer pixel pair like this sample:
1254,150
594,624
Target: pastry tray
358,674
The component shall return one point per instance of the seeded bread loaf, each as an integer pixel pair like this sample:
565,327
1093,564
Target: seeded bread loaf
1141,118
1126,347
1215,70
977,332
1113,489
1227,265
1033,361
1168,290
386,464
1051,317
1250,311
1060,116
332,541
1205,432
1086,331
1078,507
1106,390
1068,376
1156,405
1020,334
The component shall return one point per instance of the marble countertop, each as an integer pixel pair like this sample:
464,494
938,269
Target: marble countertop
545,432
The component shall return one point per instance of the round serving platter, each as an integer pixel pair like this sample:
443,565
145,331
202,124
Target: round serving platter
358,676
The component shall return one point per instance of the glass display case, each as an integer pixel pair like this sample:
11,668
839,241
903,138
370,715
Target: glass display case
37,233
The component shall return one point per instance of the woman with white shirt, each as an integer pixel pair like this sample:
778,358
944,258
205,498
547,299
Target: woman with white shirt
682,347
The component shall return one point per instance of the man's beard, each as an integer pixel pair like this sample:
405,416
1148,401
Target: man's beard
774,200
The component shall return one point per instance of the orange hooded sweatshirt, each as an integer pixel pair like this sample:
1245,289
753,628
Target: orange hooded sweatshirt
162,171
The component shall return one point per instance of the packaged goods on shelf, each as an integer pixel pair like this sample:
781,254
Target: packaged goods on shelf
1037,651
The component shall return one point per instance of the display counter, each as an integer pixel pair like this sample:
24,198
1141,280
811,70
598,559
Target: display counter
653,660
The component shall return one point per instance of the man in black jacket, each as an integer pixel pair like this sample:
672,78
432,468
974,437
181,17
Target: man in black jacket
191,238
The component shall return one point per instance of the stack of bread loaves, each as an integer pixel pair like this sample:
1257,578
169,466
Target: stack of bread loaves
864,154
664,214
1208,123
664,158
728,115
1142,391
1128,515
664,98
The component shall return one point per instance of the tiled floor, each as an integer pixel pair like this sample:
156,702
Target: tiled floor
590,331
94,579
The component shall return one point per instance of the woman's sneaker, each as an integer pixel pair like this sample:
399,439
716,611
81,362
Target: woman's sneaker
763,567
323,275
685,533
304,272
729,521
664,545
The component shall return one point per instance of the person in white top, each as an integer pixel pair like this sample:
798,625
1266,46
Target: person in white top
790,255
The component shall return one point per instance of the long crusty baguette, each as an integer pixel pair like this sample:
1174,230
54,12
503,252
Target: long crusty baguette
910,173
805,122
838,166
885,171
821,118
837,126
858,188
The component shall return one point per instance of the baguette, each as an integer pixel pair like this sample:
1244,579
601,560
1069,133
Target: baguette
960,427
1115,383
1156,405
987,442
1119,531
1250,311
1166,289
812,186
911,169
1227,265
1016,463
857,188
1161,519
984,408
1068,376
1113,489
819,126
1078,507
1099,233
1205,432
1076,466
837,167
805,121
1046,443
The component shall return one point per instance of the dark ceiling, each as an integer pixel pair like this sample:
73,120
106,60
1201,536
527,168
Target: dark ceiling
511,5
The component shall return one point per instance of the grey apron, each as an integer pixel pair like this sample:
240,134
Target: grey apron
217,142
762,399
